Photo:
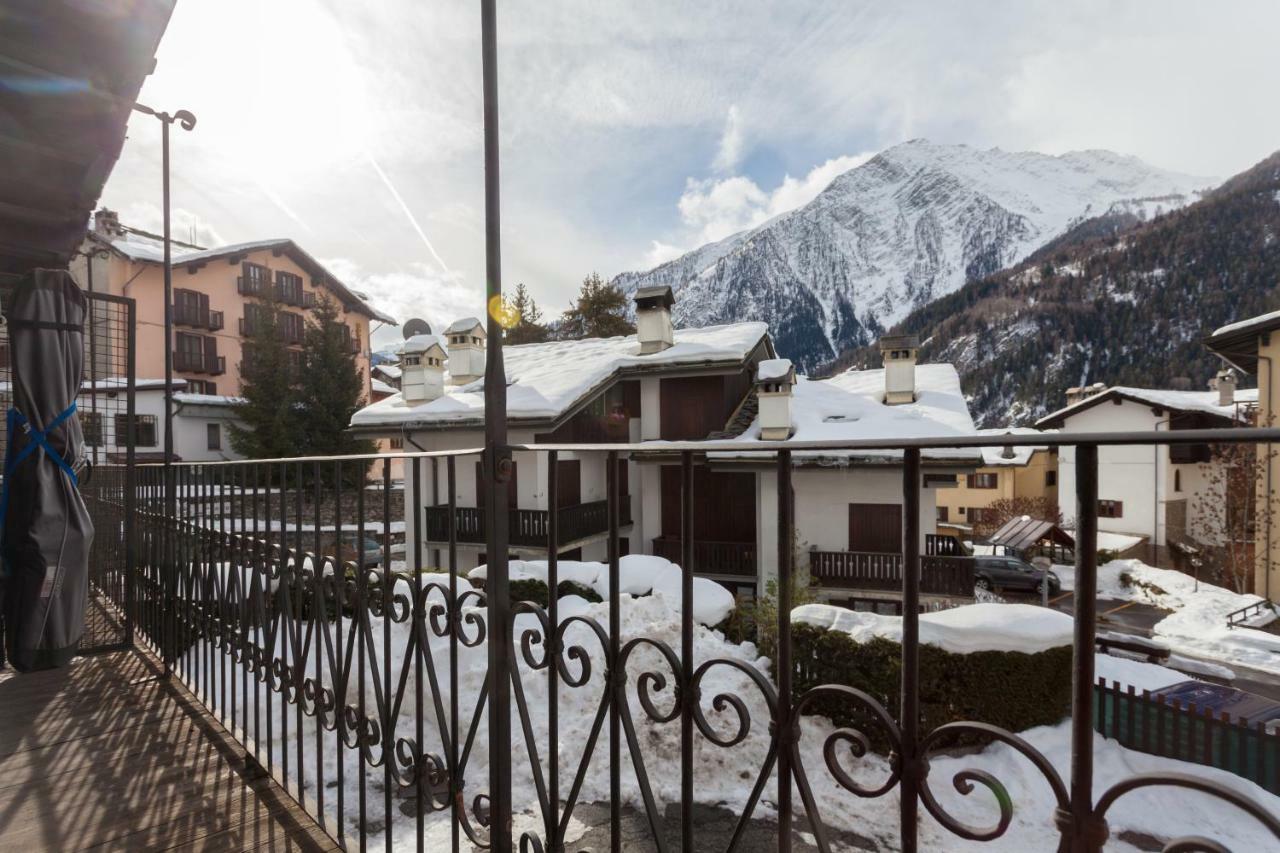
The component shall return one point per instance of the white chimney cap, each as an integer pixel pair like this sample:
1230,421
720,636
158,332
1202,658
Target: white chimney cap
464,326
420,344
776,371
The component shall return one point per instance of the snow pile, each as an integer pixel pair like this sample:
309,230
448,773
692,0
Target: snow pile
773,370
972,628
1198,623
638,574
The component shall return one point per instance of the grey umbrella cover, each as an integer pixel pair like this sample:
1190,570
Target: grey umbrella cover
47,531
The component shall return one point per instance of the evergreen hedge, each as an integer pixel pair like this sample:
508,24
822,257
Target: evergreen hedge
1013,690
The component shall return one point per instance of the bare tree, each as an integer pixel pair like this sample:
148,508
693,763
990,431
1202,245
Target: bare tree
1229,508
1001,511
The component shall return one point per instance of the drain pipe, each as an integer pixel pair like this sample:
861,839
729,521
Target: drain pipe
1155,498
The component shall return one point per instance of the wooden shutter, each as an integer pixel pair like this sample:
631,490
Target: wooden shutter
875,528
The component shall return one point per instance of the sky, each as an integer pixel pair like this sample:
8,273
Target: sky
634,131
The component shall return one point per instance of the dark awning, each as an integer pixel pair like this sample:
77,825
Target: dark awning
69,75
1021,533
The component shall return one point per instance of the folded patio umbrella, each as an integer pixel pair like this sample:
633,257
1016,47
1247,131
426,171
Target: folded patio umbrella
46,533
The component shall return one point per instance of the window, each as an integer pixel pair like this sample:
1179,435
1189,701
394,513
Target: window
1177,480
256,318
1051,478
202,386
983,481
1110,509
397,443
291,327
213,432
981,515
190,352
288,287
943,514
414,360
144,427
254,278
91,426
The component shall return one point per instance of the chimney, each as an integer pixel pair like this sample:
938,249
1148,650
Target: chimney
899,353
653,318
422,369
1084,392
466,340
775,379
107,223
1008,452
1225,384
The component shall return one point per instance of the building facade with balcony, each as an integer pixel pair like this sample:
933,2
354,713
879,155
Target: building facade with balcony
1166,504
216,295
666,385
1015,475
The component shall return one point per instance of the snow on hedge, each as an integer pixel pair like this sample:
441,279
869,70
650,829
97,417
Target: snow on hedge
971,628
638,574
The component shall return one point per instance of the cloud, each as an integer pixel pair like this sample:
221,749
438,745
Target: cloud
659,253
717,207
421,290
729,155
185,225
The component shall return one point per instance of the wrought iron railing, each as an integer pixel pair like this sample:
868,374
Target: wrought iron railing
357,688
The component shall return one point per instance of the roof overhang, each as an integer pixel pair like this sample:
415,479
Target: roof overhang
69,75
1240,346
1055,420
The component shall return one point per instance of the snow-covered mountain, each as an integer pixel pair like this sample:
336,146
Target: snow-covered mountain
905,228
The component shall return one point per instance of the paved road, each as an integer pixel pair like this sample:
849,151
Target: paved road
1131,617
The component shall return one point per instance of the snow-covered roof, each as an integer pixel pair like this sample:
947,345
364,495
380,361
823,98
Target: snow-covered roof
1249,324
466,324
775,370
208,399
1204,402
850,407
420,344
995,456
391,371
380,387
545,381
148,250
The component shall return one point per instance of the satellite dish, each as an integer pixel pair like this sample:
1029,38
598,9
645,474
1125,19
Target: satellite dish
416,326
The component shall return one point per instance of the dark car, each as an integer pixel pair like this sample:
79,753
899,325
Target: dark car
1012,574
1218,698
370,550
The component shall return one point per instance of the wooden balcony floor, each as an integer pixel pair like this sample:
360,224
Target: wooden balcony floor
105,755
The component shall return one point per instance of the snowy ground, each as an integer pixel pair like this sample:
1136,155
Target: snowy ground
724,776
1197,624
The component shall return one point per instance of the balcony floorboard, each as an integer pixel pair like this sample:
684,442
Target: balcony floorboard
105,754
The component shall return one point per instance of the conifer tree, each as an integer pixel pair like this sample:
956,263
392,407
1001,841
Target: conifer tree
269,416
529,328
599,312
331,387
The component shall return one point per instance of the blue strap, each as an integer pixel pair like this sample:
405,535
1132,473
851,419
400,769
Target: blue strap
37,438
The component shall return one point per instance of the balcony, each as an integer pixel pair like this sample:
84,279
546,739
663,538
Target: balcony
527,526
737,559
869,571
197,317
250,286
195,362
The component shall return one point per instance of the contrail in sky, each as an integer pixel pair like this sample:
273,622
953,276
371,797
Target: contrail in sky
407,212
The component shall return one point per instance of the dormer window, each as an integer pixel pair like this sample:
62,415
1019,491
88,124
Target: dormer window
412,361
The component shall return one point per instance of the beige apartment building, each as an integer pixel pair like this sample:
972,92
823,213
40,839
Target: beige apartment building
1007,472
215,301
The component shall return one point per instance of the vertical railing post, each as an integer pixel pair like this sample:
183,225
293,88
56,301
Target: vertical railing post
130,473
787,730
909,722
688,696
1083,831
553,655
617,677
497,462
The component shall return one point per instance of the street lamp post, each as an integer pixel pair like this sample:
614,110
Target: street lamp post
188,121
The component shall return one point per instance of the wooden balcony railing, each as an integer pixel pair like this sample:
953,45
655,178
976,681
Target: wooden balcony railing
527,526
861,570
197,362
711,558
200,318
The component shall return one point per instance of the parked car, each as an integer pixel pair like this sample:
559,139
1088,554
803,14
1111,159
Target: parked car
370,550
1239,704
1011,573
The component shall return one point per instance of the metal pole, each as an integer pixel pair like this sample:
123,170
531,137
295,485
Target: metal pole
497,467
787,729
1086,833
910,704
